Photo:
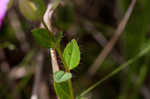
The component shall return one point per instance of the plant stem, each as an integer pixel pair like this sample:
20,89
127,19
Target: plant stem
46,27
142,53
62,58
63,61
66,69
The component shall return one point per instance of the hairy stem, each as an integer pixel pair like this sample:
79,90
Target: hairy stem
66,69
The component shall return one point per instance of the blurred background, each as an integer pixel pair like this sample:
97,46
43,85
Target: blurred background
24,64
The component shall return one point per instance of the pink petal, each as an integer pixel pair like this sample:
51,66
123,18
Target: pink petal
3,9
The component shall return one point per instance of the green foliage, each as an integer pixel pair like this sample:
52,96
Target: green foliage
62,90
65,18
44,38
61,76
32,10
72,54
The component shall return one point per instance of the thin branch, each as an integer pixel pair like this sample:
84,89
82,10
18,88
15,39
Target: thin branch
117,70
54,60
44,91
113,41
98,36
116,56
67,70
46,19
38,72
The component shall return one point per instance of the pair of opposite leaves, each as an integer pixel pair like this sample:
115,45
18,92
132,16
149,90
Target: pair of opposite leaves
71,52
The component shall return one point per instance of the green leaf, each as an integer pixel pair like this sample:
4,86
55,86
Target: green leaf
44,38
62,90
72,54
61,76
32,9
59,37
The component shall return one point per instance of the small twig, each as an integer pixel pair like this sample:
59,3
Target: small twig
66,69
38,72
98,36
116,56
47,21
117,70
54,60
113,41
44,91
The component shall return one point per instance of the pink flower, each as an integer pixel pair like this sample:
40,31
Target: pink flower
3,9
